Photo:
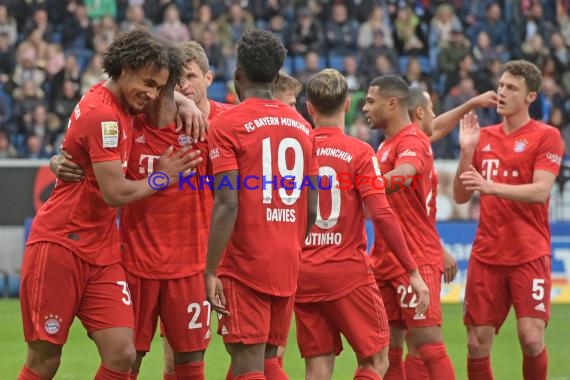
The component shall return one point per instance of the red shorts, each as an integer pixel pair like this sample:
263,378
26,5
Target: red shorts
57,286
255,317
359,316
401,301
182,307
492,289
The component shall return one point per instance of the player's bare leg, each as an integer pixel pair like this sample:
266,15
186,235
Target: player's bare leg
429,343
531,338
43,359
168,360
246,358
415,368
319,367
479,344
372,367
280,354
116,348
396,368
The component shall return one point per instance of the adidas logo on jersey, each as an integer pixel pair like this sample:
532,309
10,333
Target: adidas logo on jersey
224,330
486,148
140,139
419,317
540,307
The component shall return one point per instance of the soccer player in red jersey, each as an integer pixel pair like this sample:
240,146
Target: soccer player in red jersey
260,226
420,109
336,290
513,165
406,152
287,89
74,248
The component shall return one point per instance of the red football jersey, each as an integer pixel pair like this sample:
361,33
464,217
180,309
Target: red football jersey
411,204
75,215
432,197
268,140
509,232
334,261
166,236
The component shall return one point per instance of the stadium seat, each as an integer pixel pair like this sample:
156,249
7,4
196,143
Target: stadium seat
288,65
13,285
83,57
336,62
423,60
218,91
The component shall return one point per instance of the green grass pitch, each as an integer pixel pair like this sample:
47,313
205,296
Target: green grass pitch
80,359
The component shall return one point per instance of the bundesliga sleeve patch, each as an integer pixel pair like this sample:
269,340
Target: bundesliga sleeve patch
110,131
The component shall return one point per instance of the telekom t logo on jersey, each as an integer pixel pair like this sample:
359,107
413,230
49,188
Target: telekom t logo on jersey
490,168
150,159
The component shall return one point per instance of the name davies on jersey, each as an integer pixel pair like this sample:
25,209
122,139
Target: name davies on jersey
266,121
281,215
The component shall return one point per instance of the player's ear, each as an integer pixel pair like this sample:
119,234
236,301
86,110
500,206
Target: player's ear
420,113
531,97
310,109
347,104
209,77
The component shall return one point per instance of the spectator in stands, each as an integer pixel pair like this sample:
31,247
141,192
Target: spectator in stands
341,31
135,17
312,66
379,47
496,27
536,24
8,25
483,52
40,22
77,32
65,101
96,9
451,53
34,148
216,58
559,52
204,20
441,26
534,50
306,34
7,150
357,80
377,21
409,37
93,74
7,61
231,26
171,28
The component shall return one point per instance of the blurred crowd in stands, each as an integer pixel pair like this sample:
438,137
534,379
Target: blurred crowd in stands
50,52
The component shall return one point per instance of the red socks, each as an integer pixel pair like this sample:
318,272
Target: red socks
250,376
415,368
27,374
436,360
168,376
366,374
535,368
479,369
134,375
273,370
396,370
105,373
280,360
190,371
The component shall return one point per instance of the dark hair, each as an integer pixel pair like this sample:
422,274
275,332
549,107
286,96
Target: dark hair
527,70
327,91
137,49
260,54
391,85
416,99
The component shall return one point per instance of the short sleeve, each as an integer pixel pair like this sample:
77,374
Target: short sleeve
411,150
366,166
550,152
221,146
100,134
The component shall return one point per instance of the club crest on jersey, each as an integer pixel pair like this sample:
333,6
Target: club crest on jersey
520,145
184,140
52,324
385,156
110,132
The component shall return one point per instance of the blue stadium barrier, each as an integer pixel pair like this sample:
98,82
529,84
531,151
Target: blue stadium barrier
218,91
336,62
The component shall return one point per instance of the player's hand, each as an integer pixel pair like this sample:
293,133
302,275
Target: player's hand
65,169
449,267
473,181
469,131
422,292
190,119
181,161
215,293
485,100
